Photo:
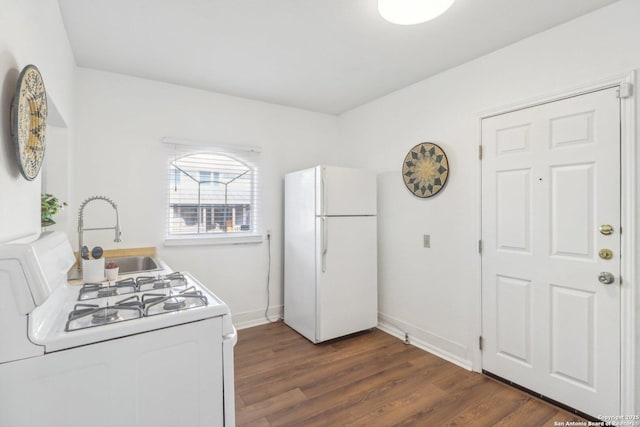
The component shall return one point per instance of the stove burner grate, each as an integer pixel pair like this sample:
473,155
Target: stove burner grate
175,303
107,292
147,283
162,303
89,315
101,290
104,315
170,293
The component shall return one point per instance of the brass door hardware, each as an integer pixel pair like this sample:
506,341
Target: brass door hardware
605,253
606,229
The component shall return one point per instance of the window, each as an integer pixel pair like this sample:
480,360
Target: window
212,194
205,177
175,176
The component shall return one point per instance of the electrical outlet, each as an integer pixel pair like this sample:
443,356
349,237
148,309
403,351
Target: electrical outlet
426,240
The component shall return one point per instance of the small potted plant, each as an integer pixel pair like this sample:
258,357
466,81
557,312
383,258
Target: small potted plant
49,206
111,271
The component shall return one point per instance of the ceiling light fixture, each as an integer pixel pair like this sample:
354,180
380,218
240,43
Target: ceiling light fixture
411,12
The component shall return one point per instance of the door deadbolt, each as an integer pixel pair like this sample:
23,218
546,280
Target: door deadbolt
605,253
606,229
606,278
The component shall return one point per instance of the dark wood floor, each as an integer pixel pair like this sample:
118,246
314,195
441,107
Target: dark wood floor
371,379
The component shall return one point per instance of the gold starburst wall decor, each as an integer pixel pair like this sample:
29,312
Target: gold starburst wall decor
425,170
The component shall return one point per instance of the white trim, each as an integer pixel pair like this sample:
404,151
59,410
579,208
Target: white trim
629,396
208,240
445,349
249,319
629,371
476,293
605,83
209,145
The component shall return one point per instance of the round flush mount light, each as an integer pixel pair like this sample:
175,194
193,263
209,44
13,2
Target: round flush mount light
411,12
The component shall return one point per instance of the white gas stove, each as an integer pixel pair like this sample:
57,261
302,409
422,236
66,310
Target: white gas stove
142,351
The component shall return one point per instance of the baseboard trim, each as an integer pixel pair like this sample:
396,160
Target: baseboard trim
249,319
420,338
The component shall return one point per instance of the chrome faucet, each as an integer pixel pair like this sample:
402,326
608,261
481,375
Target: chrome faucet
81,228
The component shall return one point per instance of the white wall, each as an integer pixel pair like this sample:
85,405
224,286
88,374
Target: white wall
120,122
31,32
56,173
432,293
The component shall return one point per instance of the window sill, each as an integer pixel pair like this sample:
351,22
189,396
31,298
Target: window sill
214,240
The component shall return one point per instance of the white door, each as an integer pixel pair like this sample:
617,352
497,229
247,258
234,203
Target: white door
550,180
347,285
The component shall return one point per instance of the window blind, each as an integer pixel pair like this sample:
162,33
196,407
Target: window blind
212,190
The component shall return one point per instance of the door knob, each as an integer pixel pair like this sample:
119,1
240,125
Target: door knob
606,278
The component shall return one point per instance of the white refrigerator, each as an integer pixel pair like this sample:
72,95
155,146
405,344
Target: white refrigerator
330,253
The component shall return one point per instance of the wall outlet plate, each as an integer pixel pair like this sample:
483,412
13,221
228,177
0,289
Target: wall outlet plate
426,240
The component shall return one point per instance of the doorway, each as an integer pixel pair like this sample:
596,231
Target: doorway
551,266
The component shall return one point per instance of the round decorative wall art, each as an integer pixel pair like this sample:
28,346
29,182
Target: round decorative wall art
29,121
425,170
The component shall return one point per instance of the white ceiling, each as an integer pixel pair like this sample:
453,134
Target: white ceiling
320,55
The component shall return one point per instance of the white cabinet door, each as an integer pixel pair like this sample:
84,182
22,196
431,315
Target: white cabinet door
347,284
550,179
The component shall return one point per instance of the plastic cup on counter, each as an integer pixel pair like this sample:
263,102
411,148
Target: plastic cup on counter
111,273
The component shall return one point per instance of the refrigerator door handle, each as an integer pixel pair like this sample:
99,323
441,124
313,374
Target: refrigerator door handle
323,196
325,244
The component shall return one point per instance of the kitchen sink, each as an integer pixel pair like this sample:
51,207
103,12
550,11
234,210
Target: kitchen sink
127,264
135,264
